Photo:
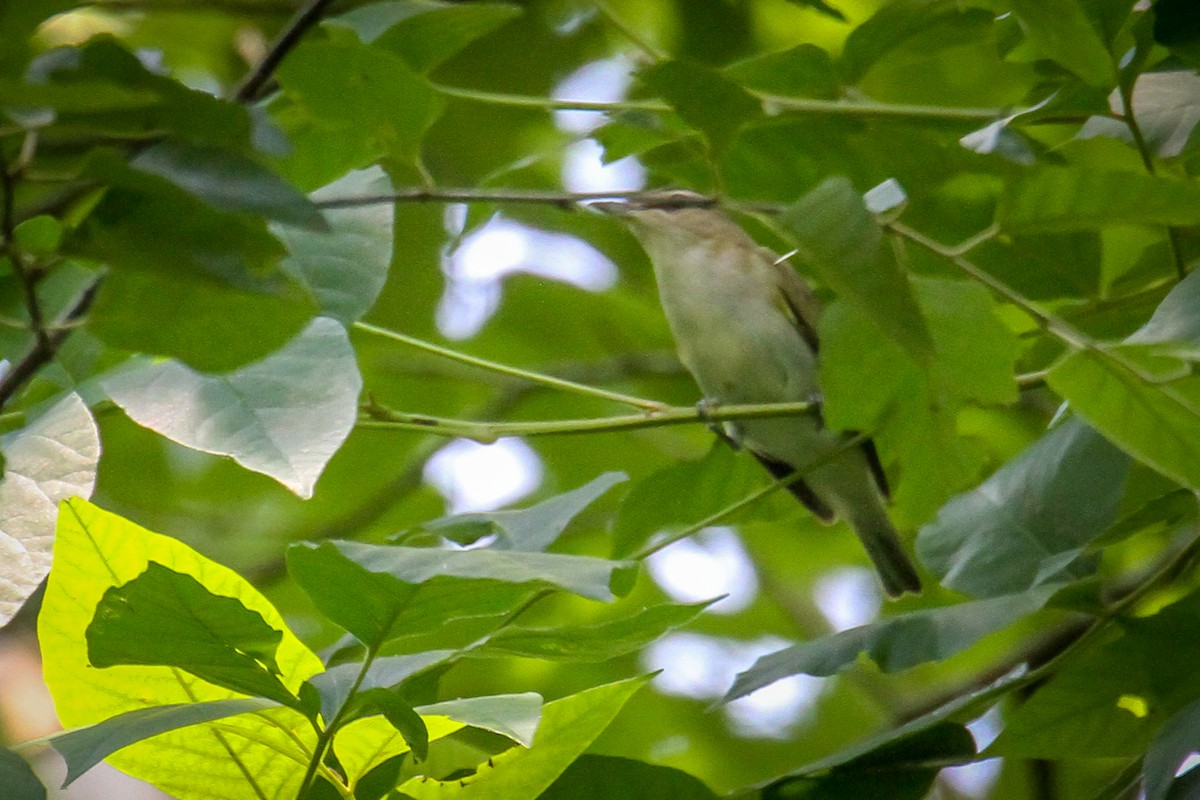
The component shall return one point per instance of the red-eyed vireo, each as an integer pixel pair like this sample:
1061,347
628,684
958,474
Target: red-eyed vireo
745,327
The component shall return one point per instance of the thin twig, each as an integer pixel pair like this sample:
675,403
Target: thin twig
549,103
652,406
635,38
304,19
488,432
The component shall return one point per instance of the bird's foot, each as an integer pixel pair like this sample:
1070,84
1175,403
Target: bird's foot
705,408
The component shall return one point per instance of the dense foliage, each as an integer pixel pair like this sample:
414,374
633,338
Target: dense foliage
239,324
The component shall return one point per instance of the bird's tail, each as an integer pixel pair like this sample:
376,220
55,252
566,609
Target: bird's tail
870,521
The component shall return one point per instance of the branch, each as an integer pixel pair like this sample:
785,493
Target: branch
635,38
488,432
46,348
305,18
504,369
567,200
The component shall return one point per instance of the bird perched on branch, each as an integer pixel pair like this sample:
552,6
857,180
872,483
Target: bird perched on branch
745,326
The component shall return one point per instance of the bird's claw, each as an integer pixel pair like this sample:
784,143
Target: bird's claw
705,408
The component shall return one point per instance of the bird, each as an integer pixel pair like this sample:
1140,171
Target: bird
745,326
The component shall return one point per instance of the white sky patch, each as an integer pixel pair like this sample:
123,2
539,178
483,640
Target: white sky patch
585,171
703,667
710,564
976,780
502,247
604,81
848,597
483,477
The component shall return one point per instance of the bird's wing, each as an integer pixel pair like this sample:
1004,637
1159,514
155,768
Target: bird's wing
799,300
805,309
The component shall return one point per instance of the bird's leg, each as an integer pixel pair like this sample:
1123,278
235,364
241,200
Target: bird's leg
705,407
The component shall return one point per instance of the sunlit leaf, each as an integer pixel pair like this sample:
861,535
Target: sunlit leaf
50,460
284,416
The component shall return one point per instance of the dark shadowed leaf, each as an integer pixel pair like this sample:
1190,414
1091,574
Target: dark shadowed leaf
1175,741
803,71
1063,199
613,778
84,748
713,104
335,684
1061,31
425,40
896,643
17,778
1028,524
167,618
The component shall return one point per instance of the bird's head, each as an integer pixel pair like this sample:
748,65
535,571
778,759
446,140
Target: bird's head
673,218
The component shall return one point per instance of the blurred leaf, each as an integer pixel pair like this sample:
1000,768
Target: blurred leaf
568,726
1062,199
51,459
84,748
682,494
594,578
612,778
530,529
18,20
437,31
96,550
1177,26
145,222
1029,523
837,237
18,779
284,416
803,71
1174,742
39,236
346,266
213,328
896,643
377,607
100,87
598,642
706,99
229,182
1112,700
365,94
1060,30
903,768
169,619
1167,107
515,716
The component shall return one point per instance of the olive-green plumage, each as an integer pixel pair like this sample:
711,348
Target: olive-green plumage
745,327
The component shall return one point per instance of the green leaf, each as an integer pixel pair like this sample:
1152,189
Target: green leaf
377,607
593,643
614,778
96,550
168,619
39,236
1112,700
568,726
530,529
594,578
438,31
18,779
822,7
838,239
1029,523
229,182
51,459
1060,30
84,748
706,99
1063,199
335,685
365,94
345,267
284,416
1156,423
515,716
902,769
896,643
399,714
682,494
1175,741
146,222
803,71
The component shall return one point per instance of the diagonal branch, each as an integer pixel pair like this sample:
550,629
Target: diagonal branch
252,87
